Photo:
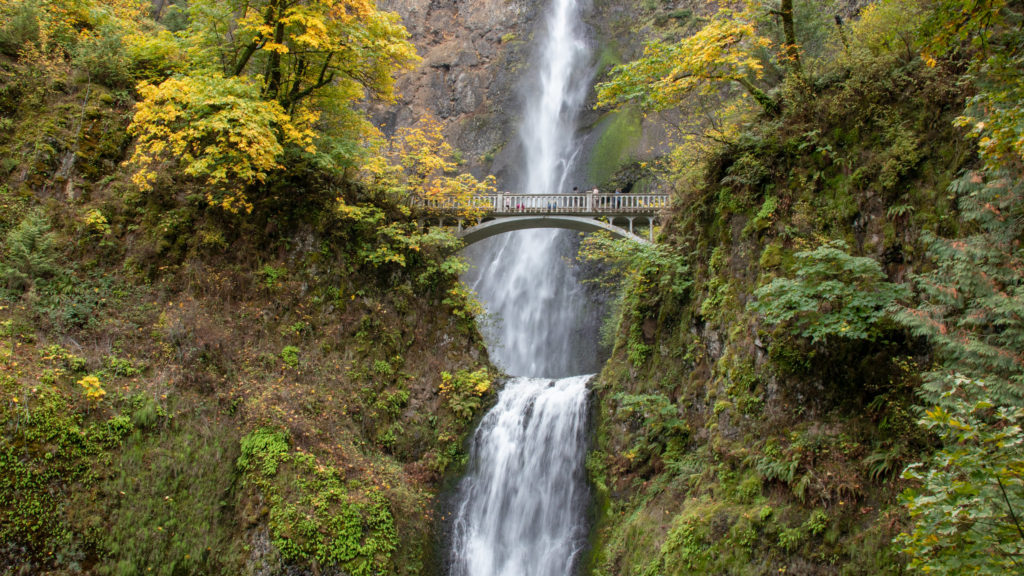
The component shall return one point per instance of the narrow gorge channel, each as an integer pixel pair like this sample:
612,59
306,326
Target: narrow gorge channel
520,510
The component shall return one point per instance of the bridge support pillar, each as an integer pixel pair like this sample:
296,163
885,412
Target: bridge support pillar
630,218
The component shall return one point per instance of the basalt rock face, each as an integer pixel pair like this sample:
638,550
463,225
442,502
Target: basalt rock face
473,54
477,53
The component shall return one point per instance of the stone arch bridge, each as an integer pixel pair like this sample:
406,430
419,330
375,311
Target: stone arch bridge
618,214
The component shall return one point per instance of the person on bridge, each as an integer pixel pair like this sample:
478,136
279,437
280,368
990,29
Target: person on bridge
618,201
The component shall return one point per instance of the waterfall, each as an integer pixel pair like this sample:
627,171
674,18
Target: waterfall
520,510
537,305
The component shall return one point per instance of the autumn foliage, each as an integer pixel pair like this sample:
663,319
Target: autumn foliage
215,129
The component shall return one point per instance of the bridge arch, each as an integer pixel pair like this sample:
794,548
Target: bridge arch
498,226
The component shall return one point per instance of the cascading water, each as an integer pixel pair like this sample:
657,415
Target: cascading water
537,304
521,508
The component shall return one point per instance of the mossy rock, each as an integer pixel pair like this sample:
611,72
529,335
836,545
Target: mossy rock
620,133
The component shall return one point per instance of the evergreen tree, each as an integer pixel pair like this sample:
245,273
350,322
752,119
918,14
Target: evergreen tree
972,304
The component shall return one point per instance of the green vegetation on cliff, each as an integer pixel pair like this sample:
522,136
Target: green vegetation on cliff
825,378
226,346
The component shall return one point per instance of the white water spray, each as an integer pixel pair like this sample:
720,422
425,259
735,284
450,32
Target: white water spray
521,508
523,279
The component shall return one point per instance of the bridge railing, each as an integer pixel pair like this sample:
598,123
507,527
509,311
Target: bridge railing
510,204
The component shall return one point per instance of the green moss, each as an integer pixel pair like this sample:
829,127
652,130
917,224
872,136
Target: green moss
608,57
620,133
170,502
771,256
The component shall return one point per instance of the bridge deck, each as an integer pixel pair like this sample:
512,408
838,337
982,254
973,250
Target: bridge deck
611,205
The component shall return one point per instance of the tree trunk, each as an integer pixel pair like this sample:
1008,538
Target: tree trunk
791,49
273,85
769,104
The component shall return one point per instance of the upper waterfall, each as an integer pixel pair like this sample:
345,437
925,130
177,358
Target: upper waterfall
538,307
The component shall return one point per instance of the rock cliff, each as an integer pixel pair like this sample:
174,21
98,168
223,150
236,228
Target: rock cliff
473,54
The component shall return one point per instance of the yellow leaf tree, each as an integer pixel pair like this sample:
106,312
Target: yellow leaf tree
298,47
730,49
722,52
267,78
214,129
419,165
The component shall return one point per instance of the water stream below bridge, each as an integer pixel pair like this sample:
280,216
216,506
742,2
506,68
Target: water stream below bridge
520,510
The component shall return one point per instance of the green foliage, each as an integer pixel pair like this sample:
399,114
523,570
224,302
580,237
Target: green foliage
57,354
645,274
263,450
817,522
290,356
972,305
832,294
662,432
967,508
639,260
20,29
123,367
315,515
386,243
169,499
46,450
773,464
29,253
353,531
273,276
462,391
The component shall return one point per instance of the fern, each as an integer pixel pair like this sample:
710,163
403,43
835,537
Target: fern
30,253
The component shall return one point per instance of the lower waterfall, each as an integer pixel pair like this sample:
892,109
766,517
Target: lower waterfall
522,505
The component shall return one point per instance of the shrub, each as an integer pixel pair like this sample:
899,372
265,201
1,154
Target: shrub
290,356
831,294
92,388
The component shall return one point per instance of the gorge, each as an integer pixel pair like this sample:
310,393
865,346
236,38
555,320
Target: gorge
234,340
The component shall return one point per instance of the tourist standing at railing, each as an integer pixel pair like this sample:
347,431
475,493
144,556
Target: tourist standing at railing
618,198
